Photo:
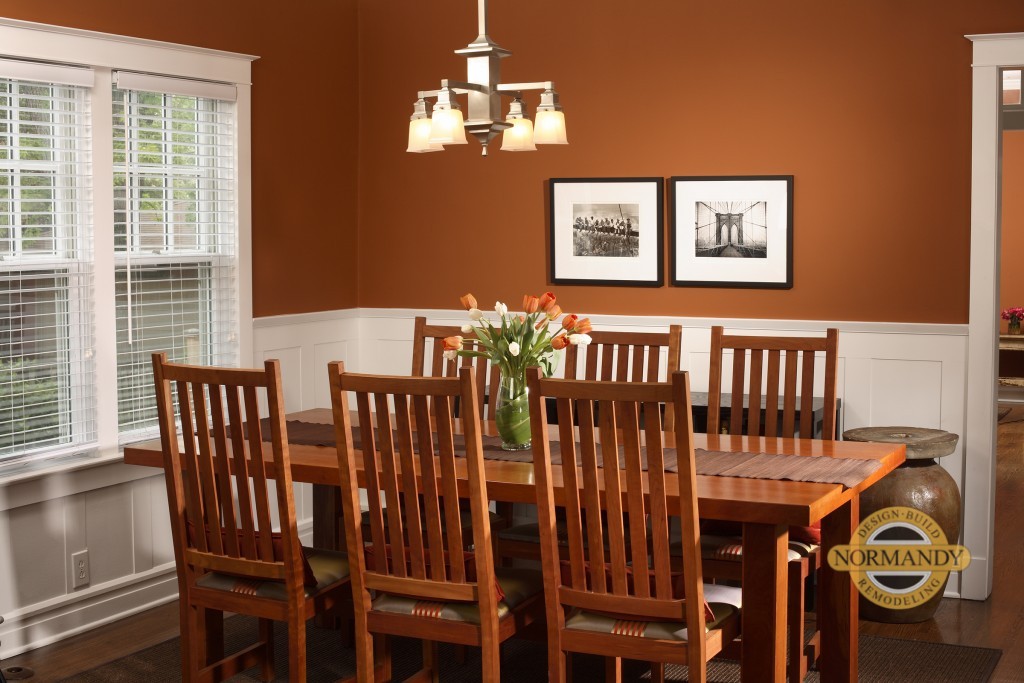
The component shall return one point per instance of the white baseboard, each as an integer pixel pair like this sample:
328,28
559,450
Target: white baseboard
54,620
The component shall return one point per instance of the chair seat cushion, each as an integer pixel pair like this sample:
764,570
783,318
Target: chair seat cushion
328,567
276,542
731,548
468,558
517,584
725,602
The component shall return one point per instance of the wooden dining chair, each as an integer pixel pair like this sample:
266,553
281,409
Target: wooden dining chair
775,370
773,380
611,355
412,575
626,357
427,343
223,491
627,602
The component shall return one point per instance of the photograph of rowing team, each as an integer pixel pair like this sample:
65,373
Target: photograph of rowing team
606,230
732,229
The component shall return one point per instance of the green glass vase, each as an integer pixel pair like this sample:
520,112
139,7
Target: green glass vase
512,412
1013,327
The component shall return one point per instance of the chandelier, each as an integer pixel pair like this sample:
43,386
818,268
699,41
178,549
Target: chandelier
446,126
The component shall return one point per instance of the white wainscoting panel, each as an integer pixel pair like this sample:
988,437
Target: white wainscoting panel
888,373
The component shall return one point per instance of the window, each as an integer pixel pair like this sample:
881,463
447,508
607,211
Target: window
174,240
46,344
121,230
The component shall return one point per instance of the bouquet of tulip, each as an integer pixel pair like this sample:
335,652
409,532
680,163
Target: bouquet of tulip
513,343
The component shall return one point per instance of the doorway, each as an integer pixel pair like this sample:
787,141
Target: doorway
992,54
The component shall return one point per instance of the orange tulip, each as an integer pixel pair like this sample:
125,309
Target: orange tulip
560,342
452,343
569,321
583,326
468,301
554,312
530,303
547,300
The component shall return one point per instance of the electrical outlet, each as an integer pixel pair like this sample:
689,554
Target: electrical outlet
80,569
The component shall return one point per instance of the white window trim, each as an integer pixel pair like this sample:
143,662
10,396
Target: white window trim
105,53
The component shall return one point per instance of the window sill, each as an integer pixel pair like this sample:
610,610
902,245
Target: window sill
49,479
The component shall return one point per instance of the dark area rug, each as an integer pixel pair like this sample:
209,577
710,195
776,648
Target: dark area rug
1009,412
882,660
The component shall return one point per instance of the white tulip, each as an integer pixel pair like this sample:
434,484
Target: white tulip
475,314
451,355
500,308
579,339
513,348
467,329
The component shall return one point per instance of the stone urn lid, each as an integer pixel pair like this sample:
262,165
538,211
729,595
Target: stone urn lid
921,443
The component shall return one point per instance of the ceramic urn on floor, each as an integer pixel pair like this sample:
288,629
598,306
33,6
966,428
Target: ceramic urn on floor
919,483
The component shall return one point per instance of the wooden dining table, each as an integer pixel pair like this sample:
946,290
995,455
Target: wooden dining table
765,507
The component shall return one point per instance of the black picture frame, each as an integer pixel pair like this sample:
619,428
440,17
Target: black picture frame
592,223
754,212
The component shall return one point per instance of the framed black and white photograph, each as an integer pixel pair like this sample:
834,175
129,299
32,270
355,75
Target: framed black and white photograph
607,231
732,231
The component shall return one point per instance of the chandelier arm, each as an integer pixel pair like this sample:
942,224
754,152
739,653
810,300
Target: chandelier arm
511,88
462,87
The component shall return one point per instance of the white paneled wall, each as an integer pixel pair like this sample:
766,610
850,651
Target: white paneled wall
888,374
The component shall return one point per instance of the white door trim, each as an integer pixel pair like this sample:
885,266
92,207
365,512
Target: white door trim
990,53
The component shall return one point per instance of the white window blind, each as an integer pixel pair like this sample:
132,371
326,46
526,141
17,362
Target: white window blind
47,396
175,241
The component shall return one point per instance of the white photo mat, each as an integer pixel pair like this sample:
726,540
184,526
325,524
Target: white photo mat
641,199
772,195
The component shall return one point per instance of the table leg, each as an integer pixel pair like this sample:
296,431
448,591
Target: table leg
764,602
327,517
838,613
327,533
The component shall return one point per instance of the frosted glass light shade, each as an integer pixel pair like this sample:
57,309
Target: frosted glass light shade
550,128
446,127
518,138
419,137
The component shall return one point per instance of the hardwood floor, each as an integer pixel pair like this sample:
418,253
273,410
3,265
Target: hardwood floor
107,643
998,622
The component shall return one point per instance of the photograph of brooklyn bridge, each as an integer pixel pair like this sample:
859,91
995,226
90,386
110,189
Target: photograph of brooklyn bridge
732,229
606,229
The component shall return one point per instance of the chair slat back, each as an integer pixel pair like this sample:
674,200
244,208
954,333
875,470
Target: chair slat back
626,357
413,481
602,574
219,476
428,344
777,365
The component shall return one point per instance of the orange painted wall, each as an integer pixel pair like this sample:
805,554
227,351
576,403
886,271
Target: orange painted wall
1011,277
867,104
304,158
